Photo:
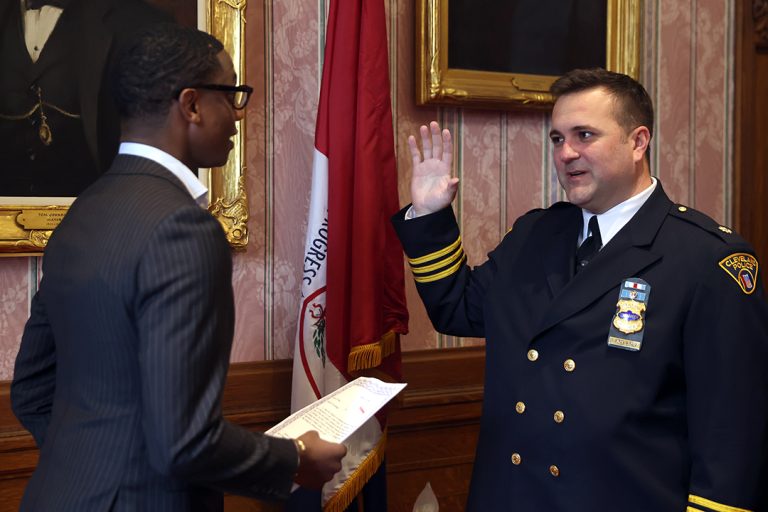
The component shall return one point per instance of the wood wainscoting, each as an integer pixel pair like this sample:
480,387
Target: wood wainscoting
433,427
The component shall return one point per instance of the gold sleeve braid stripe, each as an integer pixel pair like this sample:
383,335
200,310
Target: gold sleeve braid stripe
457,254
439,264
712,505
445,273
435,255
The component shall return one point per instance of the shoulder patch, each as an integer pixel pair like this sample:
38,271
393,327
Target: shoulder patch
742,267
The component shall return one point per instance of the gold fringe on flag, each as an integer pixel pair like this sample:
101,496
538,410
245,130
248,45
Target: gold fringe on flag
371,355
354,484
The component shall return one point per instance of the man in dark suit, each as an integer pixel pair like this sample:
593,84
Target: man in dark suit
626,335
123,360
59,129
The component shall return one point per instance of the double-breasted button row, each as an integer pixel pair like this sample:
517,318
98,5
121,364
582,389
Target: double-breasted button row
569,364
517,460
559,416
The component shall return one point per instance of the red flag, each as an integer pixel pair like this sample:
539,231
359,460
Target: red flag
366,292
353,305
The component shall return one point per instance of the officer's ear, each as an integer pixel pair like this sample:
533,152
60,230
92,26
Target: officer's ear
641,140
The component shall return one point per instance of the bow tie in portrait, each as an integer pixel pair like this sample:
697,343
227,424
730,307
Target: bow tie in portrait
37,4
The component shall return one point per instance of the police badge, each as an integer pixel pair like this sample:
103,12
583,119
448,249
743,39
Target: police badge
629,316
628,324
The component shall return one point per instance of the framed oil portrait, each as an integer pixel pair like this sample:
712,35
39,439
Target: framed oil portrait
507,53
35,197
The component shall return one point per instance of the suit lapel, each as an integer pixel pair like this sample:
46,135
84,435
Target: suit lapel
627,254
559,233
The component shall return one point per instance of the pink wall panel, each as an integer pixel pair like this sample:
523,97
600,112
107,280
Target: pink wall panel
249,266
674,101
407,118
295,89
14,309
480,183
710,126
524,161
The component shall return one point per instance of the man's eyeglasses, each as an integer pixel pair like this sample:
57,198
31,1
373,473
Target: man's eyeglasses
238,94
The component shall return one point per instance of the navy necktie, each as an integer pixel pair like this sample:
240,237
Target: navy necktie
590,246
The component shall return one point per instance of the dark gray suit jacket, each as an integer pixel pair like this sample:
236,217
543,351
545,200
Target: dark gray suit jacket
124,358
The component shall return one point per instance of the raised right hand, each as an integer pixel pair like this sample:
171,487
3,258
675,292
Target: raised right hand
432,187
319,462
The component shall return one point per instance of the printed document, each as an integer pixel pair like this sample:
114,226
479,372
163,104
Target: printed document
337,415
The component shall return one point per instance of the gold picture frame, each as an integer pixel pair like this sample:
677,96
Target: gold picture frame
225,19
438,84
27,223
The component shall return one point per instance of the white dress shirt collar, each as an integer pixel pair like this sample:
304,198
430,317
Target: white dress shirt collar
194,186
38,26
617,217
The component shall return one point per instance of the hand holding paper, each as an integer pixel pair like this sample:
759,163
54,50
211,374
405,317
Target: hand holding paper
319,460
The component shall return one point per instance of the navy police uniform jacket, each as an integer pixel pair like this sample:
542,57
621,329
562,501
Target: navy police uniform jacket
637,385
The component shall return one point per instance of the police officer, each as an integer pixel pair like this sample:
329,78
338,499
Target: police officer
626,336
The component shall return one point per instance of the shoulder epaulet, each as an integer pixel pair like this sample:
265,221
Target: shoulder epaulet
529,212
706,223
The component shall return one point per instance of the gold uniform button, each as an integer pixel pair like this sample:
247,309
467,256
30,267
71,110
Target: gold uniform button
554,470
520,407
533,355
569,365
682,208
516,459
559,416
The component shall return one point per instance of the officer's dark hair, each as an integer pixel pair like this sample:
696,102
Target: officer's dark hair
633,106
158,63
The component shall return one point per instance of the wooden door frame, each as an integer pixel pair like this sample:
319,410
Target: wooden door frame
750,184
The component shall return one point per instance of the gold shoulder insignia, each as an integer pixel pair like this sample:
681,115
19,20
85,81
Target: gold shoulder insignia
725,230
742,267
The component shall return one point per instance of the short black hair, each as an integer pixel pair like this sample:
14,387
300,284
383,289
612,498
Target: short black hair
159,62
633,106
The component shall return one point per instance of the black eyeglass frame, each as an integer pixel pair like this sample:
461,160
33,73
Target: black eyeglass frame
247,89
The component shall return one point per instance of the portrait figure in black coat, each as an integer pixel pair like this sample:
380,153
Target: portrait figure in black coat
59,129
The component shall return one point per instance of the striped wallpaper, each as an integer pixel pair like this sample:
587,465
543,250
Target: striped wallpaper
502,158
